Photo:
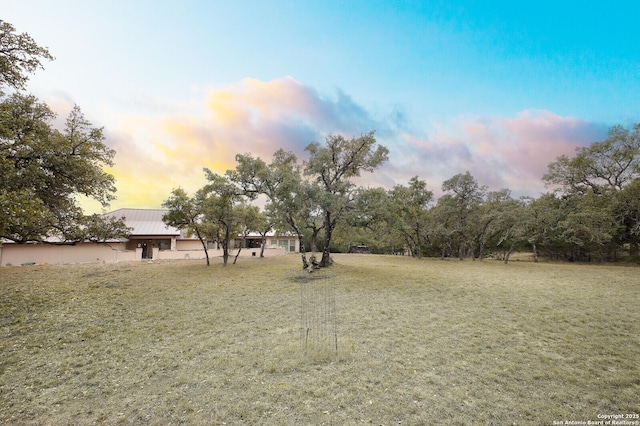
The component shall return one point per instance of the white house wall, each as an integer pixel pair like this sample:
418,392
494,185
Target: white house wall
19,254
189,245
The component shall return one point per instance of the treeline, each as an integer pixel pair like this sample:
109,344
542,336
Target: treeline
592,212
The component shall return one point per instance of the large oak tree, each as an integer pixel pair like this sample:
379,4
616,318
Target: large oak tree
290,198
603,180
333,165
44,170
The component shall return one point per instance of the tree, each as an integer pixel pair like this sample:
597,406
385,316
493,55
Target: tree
495,216
608,165
572,227
220,201
462,201
408,213
310,216
515,223
373,213
290,199
44,171
263,225
441,229
249,219
588,226
333,166
627,213
371,208
605,169
545,214
102,228
20,55
187,213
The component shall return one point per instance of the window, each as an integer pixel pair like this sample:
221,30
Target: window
288,245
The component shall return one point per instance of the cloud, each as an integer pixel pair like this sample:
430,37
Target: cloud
159,152
499,152
257,116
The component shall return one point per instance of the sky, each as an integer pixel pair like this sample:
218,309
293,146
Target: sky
496,88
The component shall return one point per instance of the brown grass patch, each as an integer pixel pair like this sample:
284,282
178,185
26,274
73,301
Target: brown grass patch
420,342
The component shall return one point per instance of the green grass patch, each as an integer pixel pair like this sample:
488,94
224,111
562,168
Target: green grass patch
419,342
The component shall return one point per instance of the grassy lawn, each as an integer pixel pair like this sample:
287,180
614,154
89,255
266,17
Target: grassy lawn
419,342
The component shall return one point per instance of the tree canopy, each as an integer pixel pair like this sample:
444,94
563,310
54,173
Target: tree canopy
333,165
185,212
20,56
609,165
291,200
44,170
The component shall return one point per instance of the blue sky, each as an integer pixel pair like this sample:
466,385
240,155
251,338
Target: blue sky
496,88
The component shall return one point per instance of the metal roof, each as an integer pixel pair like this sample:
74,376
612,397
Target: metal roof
145,221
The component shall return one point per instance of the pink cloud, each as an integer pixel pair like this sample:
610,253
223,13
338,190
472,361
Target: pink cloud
500,152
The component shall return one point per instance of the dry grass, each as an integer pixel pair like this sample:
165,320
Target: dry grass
420,342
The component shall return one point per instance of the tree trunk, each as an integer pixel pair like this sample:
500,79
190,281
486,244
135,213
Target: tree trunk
314,240
328,229
303,252
225,248
409,245
326,257
204,246
509,252
244,238
264,243
535,252
471,252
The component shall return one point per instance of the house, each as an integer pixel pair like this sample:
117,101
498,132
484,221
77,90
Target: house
150,239
150,235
